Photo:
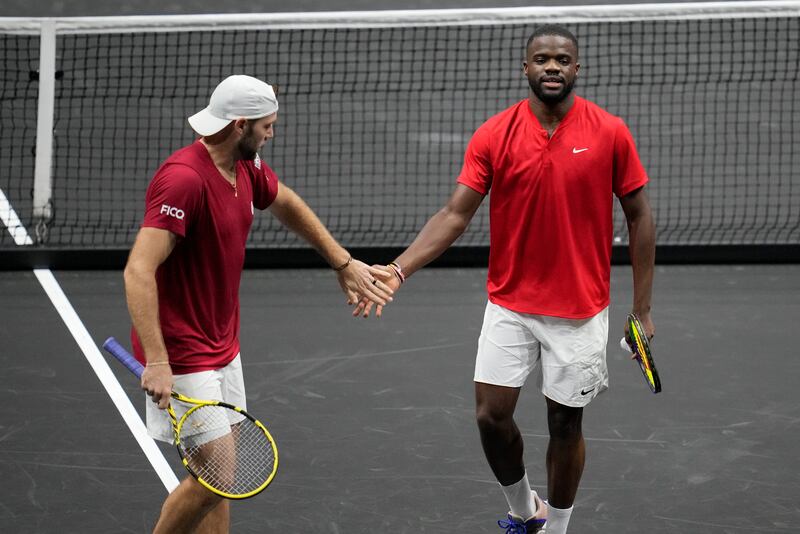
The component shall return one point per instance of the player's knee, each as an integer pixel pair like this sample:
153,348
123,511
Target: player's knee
565,422
205,498
210,503
490,421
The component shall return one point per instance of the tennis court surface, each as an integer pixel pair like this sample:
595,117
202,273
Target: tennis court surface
374,419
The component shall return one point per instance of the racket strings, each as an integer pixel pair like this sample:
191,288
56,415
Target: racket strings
642,352
227,450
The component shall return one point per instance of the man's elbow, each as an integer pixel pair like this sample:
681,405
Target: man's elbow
129,274
135,271
455,221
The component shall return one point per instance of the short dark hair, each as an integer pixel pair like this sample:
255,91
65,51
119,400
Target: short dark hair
551,29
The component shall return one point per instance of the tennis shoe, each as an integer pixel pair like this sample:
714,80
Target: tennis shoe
517,525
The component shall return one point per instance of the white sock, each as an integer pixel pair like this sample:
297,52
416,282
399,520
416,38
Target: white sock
558,519
519,498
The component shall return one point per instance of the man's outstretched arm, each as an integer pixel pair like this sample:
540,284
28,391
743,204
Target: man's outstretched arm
436,236
356,279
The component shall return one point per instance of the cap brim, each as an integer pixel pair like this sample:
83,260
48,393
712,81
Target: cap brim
204,123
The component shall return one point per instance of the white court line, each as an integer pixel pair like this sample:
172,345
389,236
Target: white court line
107,378
91,352
12,222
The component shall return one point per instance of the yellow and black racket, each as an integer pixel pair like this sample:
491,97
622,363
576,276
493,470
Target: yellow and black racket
640,347
222,446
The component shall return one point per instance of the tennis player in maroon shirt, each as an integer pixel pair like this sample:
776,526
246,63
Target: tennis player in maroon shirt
552,163
182,276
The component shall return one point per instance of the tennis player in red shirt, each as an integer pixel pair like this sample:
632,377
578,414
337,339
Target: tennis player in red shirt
552,163
182,276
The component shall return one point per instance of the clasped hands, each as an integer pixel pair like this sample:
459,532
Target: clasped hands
368,286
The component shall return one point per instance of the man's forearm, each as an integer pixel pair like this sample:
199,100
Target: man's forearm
141,291
642,254
436,236
295,214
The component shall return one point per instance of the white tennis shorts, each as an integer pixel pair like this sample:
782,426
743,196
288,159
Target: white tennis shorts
225,384
568,355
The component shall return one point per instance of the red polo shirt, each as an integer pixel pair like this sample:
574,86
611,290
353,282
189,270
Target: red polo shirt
551,203
198,284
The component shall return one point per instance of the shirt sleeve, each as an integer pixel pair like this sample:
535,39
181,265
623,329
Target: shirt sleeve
629,174
477,172
173,199
265,185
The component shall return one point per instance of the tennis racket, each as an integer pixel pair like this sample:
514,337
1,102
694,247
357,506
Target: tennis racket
222,446
640,348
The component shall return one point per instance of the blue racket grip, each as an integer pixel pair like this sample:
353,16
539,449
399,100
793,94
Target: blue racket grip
125,358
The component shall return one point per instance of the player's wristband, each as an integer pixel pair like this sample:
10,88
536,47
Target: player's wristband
343,266
398,271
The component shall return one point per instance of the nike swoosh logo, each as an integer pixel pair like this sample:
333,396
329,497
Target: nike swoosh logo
578,150
588,391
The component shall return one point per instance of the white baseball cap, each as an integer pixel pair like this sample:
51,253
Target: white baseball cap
236,97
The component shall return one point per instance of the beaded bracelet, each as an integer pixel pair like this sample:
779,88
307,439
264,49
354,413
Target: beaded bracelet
156,364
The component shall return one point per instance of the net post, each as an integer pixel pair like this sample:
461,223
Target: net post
42,185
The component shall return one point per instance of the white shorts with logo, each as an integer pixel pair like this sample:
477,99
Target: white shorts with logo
568,355
225,384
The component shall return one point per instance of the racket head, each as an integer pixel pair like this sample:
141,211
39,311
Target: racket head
226,449
252,441
641,349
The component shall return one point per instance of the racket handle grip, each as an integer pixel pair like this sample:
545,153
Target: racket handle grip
624,346
125,358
